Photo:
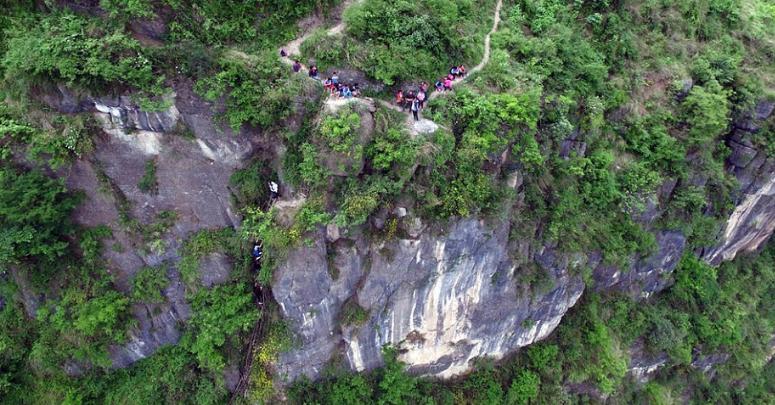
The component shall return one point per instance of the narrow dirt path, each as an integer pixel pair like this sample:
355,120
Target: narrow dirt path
293,50
486,57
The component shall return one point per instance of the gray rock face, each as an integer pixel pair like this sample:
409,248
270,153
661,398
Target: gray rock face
753,220
648,275
192,176
644,365
443,300
122,113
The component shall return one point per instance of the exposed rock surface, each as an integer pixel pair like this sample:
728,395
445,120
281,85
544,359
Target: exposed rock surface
644,365
443,300
192,175
753,220
647,276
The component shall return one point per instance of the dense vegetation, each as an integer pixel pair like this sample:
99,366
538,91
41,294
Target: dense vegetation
595,125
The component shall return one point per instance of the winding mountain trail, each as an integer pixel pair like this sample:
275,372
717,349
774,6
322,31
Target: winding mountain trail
293,50
486,57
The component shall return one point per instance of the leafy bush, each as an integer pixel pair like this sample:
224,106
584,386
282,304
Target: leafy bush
523,389
201,244
34,216
128,8
353,314
80,51
707,112
148,183
218,314
397,41
149,284
251,184
340,132
258,90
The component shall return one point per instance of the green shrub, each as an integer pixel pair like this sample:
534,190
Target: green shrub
128,8
339,132
251,184
149,284
258,90
353,314
218,314
523,389
148,183
707,113
34,216
201,244
78,50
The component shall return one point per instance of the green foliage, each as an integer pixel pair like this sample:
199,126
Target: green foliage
397,41
148,183
310,171
149,284
34,216
263,23
484,125
395,386
128,8
251,184
357,205
707,110
78,50
353,314
277,239
352,389
65,138
258,90
218,314
523,389
176,379
16,334
340,132
203,243
278,339
392,148
482,387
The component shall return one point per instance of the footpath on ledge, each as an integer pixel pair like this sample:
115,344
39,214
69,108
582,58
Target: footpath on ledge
292,50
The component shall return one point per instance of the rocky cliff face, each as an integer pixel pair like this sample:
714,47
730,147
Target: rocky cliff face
753,220
192,171
443,297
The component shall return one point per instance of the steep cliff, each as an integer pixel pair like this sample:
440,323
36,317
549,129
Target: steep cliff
444,297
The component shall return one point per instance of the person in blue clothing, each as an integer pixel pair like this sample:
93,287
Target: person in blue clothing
257,252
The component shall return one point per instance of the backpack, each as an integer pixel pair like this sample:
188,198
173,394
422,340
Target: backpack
415,105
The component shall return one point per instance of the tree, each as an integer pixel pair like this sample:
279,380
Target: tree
34,216
523,389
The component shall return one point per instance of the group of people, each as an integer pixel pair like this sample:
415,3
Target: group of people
336,87
412,100
332,83
445,83
415,100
